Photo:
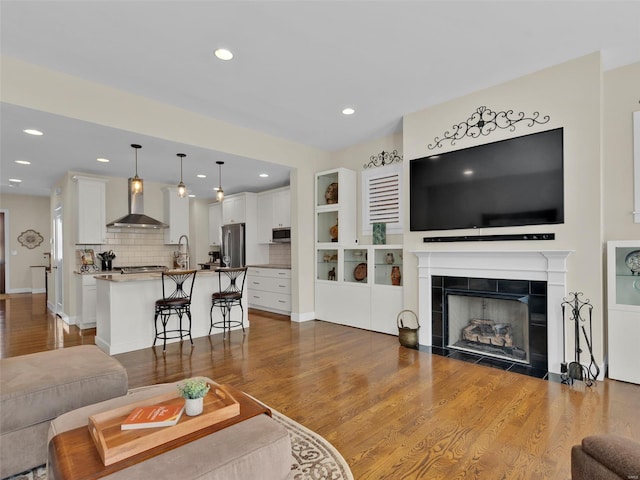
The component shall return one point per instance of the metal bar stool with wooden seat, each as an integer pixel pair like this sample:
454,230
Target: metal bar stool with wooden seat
228,297
178,302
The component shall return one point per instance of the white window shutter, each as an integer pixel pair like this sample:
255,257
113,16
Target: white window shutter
382,198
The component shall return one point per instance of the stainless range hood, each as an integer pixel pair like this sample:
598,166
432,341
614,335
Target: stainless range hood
136,217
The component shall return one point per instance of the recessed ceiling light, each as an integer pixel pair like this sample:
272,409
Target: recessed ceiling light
348,111
468,172
31,131
23,162
102,160
191,195
201,175
264,175
15,180
216,188
223,54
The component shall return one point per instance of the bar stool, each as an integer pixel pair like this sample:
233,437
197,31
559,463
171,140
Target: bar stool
228,298
178,302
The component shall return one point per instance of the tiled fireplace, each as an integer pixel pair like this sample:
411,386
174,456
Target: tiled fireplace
500,305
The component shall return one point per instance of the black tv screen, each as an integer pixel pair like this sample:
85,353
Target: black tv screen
512,182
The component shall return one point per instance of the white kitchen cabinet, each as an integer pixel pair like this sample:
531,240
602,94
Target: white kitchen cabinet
215,223
265,217
91,210
269,289
281,217
234,209
623,309
176,215
274,211
85,301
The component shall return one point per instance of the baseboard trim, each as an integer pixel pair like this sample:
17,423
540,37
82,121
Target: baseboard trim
303,317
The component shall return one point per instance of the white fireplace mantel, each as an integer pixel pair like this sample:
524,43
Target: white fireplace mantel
539,265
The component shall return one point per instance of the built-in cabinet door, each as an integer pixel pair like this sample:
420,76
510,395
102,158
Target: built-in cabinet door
176,215
281,205
233,210
215,223
265,217
91,210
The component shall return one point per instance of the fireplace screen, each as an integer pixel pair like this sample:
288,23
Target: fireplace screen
489,325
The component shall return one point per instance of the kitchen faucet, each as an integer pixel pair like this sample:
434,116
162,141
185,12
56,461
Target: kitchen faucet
184,257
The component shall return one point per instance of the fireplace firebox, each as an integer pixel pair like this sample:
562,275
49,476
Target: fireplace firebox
504,320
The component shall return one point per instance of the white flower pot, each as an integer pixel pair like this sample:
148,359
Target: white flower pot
193,406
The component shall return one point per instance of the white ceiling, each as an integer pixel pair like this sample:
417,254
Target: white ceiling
297,65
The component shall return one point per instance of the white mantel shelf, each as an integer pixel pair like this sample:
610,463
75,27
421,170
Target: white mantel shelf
537,265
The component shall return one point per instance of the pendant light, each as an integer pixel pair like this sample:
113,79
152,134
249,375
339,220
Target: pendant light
220,192
182,188
136,183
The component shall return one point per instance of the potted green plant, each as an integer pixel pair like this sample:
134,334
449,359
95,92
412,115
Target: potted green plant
193,391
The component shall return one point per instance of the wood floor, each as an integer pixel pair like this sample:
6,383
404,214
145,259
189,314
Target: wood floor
393,413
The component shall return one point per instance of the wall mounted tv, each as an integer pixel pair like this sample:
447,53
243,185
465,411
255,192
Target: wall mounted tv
518,181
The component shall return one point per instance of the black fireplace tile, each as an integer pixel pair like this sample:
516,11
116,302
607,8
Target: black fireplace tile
538,340
513,286
436,299
538,288
436,324
437,341
461,283
436,281
495,363
483,284
527,370
538,305
467,357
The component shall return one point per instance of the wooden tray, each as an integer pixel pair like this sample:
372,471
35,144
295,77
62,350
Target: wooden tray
115,444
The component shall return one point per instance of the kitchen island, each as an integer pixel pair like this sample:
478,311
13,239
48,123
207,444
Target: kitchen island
125,306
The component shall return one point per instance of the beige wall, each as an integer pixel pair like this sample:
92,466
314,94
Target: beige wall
76,98
25,212
621,99
570,94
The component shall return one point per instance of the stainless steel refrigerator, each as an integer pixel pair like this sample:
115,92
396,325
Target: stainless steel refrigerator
233,246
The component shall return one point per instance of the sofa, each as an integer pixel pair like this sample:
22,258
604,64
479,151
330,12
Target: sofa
605,457
37,388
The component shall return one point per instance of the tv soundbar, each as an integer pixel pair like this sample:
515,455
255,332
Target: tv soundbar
491,238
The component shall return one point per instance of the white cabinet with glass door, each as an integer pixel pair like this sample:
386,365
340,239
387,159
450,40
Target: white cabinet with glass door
623,309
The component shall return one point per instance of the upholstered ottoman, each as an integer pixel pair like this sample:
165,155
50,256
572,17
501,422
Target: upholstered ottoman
36,388
255,448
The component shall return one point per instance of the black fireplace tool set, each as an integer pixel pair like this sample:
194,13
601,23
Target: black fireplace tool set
576,313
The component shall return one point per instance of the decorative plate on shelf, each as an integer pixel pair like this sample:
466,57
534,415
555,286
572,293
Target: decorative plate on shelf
360,272
632,260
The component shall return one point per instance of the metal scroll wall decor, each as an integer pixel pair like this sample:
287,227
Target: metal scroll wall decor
484,121
383,158
30,239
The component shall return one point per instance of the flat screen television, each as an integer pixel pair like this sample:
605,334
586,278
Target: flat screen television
513,182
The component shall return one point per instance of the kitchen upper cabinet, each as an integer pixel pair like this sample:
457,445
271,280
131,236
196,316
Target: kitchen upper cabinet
176,215
265,216
234,209
91,210
282,209
274,211
215,223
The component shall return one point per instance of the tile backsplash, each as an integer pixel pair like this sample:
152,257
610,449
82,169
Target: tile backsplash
280,253
134,247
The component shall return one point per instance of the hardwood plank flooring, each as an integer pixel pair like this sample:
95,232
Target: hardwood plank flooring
393,413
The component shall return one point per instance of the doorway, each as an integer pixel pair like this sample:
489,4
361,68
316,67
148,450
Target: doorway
3,245
57,267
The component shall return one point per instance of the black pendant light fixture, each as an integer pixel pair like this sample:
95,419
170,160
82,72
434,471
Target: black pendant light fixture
182,188
220,192
136,182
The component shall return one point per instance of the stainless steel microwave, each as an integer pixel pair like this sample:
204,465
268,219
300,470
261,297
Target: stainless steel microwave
281,235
